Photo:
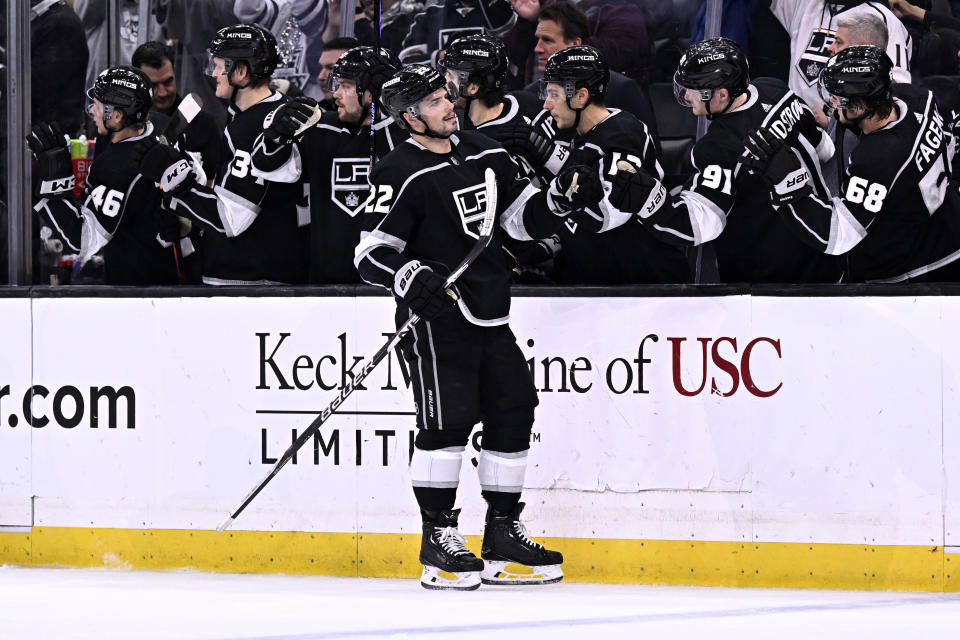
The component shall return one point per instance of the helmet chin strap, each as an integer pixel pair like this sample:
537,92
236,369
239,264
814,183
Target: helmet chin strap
711,115
578,112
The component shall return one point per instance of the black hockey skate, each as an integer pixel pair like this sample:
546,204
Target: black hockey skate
447,563
505,542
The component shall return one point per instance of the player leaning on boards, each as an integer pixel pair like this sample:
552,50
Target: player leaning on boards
120,212
426,198
598,246
721,202
255,229
334,158
896,218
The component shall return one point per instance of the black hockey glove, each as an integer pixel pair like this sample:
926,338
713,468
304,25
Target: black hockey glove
524,140
171,227
54,166
168,168
767,155
577,187
537,252
291,119
379,71
636,191
422,289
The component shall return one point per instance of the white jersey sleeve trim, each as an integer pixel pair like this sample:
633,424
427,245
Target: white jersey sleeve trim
373,239
706,219
93,236
845,231
289,172
236,213
512,219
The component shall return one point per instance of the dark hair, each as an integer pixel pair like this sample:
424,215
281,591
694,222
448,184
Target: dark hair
152,54
341,43
570,17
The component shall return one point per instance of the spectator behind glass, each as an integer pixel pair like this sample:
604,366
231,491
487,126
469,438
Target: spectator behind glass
331,53
296,24
938,35
750,23
93,15
563,25
58,65
812,25
156,59
194,23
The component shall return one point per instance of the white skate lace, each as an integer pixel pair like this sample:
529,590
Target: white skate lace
521,531
452,541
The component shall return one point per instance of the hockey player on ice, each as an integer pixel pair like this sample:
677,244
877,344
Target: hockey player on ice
721,202
333,158
896,216
427,198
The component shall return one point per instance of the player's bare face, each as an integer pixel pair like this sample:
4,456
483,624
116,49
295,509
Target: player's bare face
437,111
555,101
348,105
549,41
164,85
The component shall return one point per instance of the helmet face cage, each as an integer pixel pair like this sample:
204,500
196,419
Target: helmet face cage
211,68
457,82
680,92
831,99
257,48
569,88
124,89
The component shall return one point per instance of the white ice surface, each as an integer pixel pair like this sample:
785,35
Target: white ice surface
109,604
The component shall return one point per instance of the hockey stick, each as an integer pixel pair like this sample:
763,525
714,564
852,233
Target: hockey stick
483,240
189,107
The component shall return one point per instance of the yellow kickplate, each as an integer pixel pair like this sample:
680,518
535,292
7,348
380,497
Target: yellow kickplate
760,564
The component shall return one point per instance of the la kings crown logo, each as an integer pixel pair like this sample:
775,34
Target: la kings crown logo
349,183
471,203
815,57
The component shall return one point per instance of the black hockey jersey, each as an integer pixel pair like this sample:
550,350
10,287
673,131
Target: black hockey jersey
428,207
622,252
333,158
444,20
256,230
732,207
892,218
119,216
